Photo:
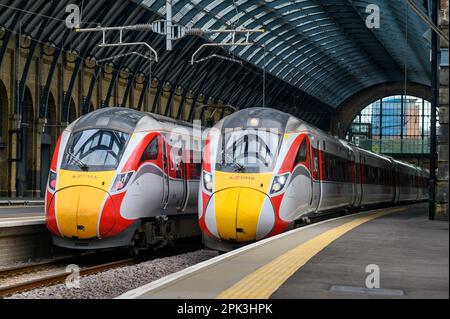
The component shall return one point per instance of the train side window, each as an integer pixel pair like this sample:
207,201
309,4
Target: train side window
302,153
332,172
193,171
151,152
325,166
315,160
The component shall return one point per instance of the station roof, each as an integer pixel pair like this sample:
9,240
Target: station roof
317,53
322,47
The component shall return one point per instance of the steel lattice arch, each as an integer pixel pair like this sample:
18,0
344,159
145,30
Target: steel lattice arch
318,53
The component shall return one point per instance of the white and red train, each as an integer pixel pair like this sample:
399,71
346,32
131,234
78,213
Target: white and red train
117,180
122,178
265,170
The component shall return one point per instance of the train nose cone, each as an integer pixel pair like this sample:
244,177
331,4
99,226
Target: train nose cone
243,214
78,212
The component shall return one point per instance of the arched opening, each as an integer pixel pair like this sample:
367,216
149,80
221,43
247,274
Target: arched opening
346,112
52,121
394,125
4,178
48,141
26,179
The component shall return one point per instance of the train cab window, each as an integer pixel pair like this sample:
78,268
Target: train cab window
302,153
94,150
151,152
250,151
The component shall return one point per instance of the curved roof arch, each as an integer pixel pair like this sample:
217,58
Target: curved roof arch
379,55
315,52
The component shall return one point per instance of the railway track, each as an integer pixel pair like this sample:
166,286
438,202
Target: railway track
48,280
32,268
54,271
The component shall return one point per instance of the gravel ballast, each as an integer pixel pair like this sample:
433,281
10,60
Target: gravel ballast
115,282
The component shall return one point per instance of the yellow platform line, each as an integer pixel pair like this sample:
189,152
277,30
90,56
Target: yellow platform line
262,283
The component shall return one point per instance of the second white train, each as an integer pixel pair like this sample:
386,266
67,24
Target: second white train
265,170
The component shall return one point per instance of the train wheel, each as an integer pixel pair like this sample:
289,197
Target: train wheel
133,251
135,248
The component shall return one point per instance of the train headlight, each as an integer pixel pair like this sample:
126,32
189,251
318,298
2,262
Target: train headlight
208,181
121,181
52,180
278,183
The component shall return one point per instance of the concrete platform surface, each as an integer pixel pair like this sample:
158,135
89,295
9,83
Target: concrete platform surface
21,211
14,216
21,201
411,253
347,257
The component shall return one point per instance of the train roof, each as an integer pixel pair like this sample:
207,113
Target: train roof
268,118
272,118
120,119
373,154
127,120
166,119
257,117
408,165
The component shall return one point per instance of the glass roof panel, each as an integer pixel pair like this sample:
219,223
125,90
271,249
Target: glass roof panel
302,34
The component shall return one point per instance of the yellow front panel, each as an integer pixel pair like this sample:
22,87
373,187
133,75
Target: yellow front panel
66,211
89,209
101,180
226,203
238,202
79,201
255,181
249,210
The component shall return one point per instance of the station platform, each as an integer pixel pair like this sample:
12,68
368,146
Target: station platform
21,202
21,215
398,247
23,234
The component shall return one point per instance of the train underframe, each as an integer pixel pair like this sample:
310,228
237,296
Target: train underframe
144,234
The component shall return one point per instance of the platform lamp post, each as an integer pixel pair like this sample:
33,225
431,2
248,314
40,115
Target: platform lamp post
435,32
434,102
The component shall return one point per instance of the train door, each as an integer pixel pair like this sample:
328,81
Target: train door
165,163
322,175
394,181
175,169
193,173
397,183
352,179
358,176
315,173
362,178
417,184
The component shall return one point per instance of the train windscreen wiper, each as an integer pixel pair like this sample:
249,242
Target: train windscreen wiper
238,167
79,162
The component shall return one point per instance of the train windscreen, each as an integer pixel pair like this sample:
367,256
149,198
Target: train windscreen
94,150
249,151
